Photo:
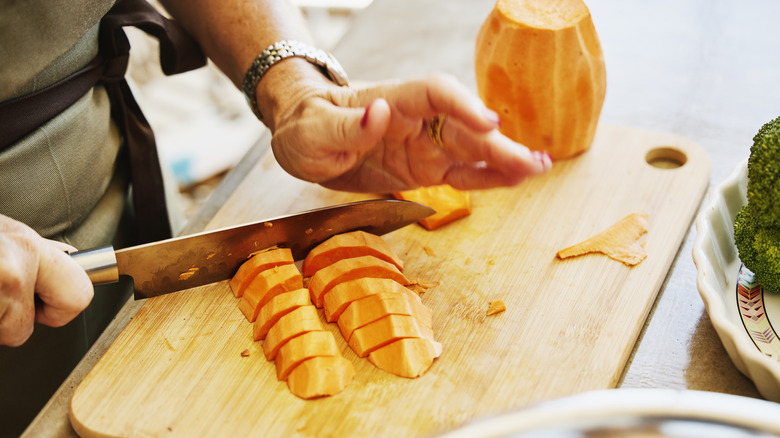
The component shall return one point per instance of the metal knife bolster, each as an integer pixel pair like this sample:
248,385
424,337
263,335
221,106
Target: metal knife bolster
99,263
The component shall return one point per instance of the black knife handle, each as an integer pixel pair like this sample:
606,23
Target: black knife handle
99,264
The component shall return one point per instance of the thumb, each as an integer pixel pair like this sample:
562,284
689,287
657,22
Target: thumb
357,132
363,130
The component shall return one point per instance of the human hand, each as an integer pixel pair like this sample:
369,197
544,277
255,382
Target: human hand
374,139
31,265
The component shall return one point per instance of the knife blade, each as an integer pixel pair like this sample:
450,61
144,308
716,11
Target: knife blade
181,263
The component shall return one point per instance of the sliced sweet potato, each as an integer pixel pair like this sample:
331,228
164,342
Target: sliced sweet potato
349,269
266,285
257,263
301,320
320,376
618,242
348,245
408,357
277,307
373,307
344,293
386,330
298,349
450,204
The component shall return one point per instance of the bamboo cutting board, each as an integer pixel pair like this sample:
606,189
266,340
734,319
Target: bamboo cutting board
178,369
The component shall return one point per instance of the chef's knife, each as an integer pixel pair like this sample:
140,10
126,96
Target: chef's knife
184,262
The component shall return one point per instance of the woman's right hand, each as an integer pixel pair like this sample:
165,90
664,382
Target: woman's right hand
31,265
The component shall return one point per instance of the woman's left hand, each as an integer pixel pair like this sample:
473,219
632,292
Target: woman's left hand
375,138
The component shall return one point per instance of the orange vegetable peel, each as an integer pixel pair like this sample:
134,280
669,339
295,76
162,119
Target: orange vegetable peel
619,241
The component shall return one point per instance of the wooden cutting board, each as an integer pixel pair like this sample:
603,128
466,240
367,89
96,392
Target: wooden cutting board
178,369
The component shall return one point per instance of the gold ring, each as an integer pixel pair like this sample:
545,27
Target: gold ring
435,126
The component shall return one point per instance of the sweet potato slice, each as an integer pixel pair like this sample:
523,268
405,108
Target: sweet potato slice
373,307
320,376
337,300
266,285
349,269
386,330
277,307
348,245
408,357
619,241
298,349
450,204
257,263
301,320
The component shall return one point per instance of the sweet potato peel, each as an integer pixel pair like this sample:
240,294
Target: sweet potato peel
618,242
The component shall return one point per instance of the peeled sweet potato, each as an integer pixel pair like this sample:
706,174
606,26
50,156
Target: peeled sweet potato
337,300
408,357
298,349
349,269
373,307
320,376
450,204
386,330
257,263
301,320
348,245
266,285
277,307
540,65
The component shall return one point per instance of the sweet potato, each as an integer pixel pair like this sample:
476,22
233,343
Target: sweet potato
450,204
373,307
386,330
349,269
337,300
618,242
257,263
277,307
408,357
348,245
298,349
495,307
301,320
266,285
320,376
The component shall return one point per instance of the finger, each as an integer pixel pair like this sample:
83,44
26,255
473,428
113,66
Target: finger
441,93
497,151
17,308
62,246
62,285
478,177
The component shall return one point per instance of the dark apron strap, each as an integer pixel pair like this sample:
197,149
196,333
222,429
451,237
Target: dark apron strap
178,53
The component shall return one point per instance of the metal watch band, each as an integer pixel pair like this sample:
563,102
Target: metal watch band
286,49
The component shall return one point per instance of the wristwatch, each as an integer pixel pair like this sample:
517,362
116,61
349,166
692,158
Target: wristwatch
286,49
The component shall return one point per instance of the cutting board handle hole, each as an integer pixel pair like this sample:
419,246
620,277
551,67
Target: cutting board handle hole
666,157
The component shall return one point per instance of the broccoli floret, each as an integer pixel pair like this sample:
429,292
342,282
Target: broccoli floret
757,225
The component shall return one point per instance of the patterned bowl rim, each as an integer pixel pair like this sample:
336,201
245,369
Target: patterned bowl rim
735,325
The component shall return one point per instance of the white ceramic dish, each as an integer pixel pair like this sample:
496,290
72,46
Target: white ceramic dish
741,312
634,413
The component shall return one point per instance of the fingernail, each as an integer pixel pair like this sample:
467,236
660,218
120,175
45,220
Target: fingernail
542,157
492,116
364,120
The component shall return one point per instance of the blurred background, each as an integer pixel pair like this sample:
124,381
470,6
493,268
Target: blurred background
201,121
